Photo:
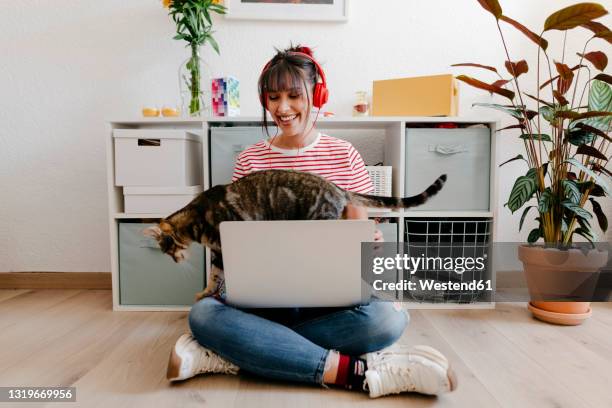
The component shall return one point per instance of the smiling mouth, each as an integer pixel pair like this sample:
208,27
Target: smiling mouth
287,119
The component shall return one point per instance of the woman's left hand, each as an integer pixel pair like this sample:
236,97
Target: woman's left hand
378,236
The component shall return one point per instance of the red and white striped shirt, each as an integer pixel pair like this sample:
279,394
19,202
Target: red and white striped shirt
334,159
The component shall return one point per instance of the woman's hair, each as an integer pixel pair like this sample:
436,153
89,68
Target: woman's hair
288,70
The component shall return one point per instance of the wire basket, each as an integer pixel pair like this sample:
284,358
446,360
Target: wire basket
381,178
450,237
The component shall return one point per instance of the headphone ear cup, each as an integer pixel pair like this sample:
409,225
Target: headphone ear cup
320,95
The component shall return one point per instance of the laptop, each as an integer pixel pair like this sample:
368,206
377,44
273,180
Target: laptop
294,263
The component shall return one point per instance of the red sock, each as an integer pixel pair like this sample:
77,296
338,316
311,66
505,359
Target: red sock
351,372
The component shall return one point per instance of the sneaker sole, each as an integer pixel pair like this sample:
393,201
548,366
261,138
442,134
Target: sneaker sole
174,364
433,354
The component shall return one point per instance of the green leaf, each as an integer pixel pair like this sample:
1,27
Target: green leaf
517,113
564,226
572,192
539,137
586,234
522,191
595,177
548,114
602,220
576,209
524,215
518,157
579,137
214,44
534,235
573,16
600,99
545,201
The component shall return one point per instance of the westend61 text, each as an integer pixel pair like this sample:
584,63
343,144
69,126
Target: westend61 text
429,284
413,264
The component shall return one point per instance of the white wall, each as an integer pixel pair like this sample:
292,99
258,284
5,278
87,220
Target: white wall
68,67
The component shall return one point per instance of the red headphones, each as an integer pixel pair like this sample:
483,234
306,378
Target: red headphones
320,94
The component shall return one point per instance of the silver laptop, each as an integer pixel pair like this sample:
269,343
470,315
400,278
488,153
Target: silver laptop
294,263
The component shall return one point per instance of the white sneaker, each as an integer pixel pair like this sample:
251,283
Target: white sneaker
399,368
189,358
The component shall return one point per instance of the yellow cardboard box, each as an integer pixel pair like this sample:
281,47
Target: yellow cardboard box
436,95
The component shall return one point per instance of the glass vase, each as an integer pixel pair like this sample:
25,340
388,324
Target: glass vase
193,81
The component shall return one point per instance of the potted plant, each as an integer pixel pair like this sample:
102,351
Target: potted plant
194,25
564,125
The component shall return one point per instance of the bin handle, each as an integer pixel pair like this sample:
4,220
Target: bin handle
448,149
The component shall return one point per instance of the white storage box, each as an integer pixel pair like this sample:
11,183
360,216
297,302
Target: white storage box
158,200
381,178
157,157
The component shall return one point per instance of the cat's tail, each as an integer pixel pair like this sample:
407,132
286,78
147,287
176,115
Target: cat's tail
396,202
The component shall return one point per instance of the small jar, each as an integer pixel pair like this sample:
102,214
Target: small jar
361,107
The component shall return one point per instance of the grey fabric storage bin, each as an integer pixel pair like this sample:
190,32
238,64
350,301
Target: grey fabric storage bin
147,276
464,155
225,145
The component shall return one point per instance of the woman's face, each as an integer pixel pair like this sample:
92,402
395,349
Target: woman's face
289,110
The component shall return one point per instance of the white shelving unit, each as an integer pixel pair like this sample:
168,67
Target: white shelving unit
378,139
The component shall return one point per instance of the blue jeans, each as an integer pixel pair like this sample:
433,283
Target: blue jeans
293,344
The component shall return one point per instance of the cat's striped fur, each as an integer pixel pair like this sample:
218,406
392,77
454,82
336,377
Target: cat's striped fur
259,196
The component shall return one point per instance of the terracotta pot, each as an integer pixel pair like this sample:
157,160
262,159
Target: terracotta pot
561,275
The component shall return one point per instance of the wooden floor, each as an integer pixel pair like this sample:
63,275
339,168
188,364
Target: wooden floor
503,358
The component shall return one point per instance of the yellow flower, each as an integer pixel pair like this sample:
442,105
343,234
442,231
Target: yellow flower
217,1
166,3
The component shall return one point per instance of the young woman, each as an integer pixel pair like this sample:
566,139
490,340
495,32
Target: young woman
340,346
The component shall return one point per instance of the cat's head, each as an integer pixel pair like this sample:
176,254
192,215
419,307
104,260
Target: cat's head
170,241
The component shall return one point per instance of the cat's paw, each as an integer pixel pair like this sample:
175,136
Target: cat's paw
205,293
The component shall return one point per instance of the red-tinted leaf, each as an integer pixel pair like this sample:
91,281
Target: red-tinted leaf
492,6
593,114
531,114
601,169
501,82
604,77
573,16
487,87
517,68
560,98
470,64
597,58
596,131
563,86
519,126
554,78
530,34
567,115
571,175
595,27
607,35
564,71
590,151
539,100
600,30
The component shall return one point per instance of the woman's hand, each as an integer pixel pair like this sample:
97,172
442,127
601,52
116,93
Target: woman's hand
353,212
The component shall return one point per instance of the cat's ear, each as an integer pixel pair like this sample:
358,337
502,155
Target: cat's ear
153,232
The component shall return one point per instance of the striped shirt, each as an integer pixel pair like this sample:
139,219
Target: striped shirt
334,159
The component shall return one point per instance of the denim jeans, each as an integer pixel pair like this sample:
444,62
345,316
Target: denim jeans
293,344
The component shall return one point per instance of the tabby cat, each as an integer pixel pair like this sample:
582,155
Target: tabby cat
263,195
